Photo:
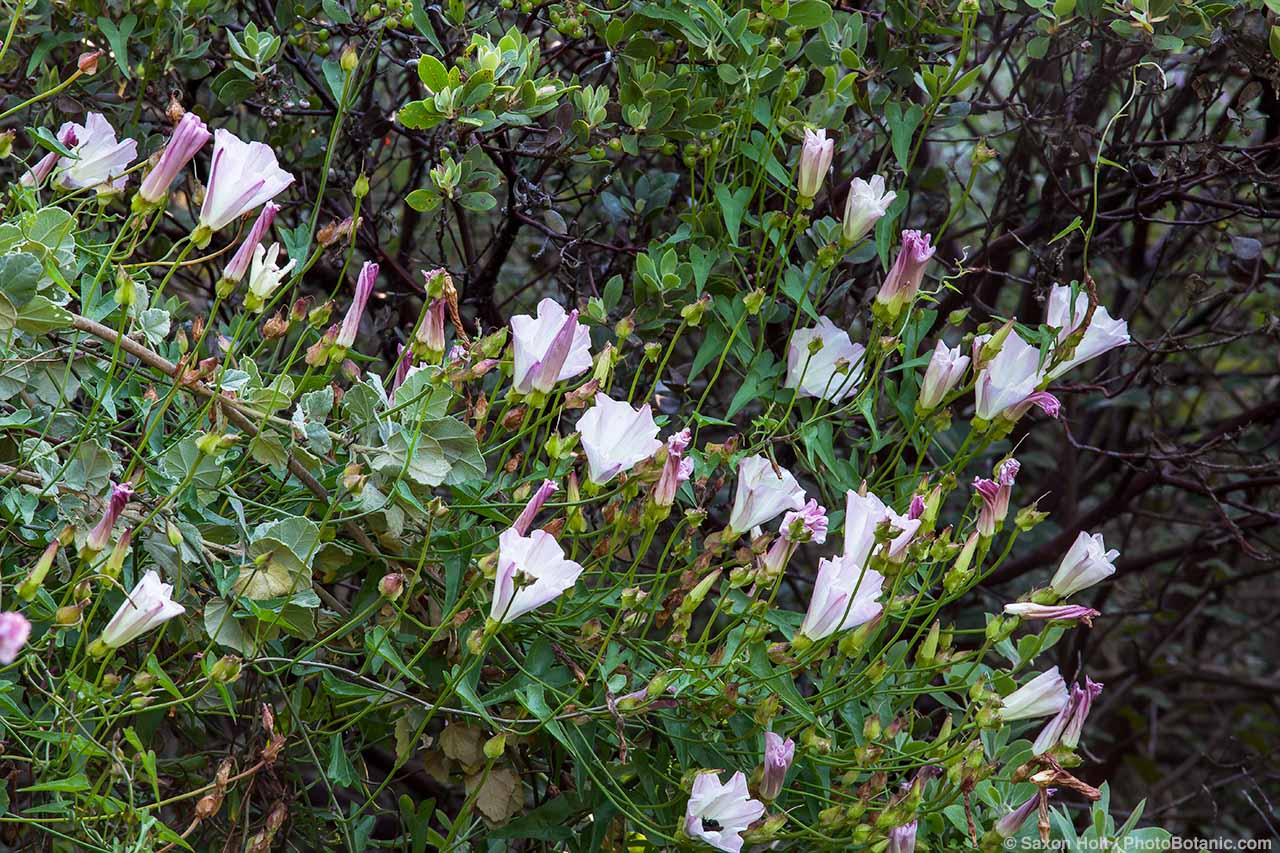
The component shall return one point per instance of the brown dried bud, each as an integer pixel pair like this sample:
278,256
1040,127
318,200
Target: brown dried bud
334,231
513,418
579,397
208,805
276,327
88,62
301,306
174,112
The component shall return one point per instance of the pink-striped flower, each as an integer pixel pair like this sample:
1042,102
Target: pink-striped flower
430,335
1052,612
99,157
234,271
149,605
778,755
616,437
808,524
845,595
903,281
37,173
1008,826
14,632
189,136
351,322
866,204
550,348
242,177
863,515
404,363
100,536
1006,386
1104,334
1086,563
1066,726
1041,696
525,520
532,571
902,839
815,160
946,366
995,496
675,471
718,813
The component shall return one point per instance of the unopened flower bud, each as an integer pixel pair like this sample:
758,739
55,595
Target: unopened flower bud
225,669
349,60
361,187
754,301
391,587
693,312
31,583
494,747
88,62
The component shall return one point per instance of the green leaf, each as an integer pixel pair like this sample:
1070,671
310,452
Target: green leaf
809,14
118,37
432,73
281,553
66,785
732,206
336,12
41,315
902,128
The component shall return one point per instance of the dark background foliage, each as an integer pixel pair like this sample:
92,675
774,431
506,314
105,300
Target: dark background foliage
1162,139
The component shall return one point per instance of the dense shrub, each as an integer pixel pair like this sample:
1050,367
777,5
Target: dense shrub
573,427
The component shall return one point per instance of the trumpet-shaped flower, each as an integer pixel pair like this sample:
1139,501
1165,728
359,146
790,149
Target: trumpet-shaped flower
863,514
903,281
242,176
1071,717
1041,696
548,348
995,496
763,494
1052,612
902,839
946,366
430,334
355,312
845,595
675,470
265,276
1086,563
45,165
99,157
1007,385
189,136
525,520
1008,826
100,536
719,813
244,256
532,571
823,362
1104,334
778,755
616,437
149,605
815,160
809,524
866,204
